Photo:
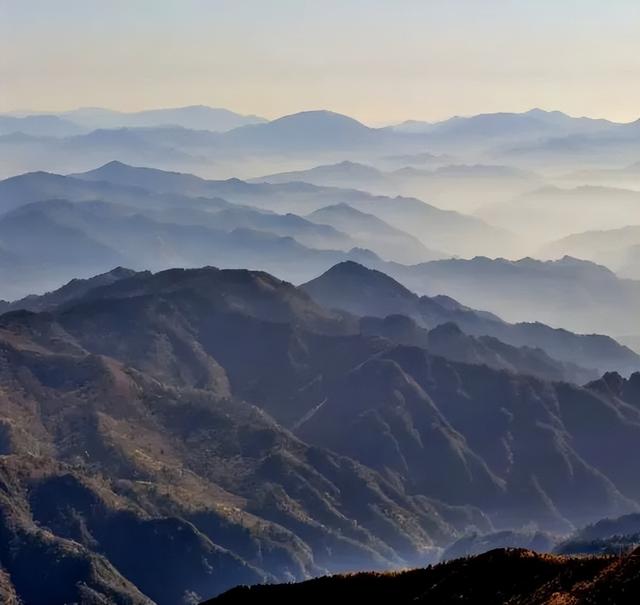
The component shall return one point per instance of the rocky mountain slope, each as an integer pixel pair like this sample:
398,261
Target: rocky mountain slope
226,420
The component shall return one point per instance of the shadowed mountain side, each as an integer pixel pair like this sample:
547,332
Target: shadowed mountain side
448,340
518,577
367,292
389,401
164,388
215,492
268,343
73,290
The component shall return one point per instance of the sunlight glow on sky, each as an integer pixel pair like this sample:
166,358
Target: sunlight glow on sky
377,60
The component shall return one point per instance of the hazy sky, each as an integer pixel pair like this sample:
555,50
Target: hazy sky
378,60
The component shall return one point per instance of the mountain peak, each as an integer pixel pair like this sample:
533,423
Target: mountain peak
320,116
446,330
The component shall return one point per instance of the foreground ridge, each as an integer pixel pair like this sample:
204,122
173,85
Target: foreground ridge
514,576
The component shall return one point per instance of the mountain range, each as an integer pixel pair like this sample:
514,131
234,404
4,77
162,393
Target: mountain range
566,293
201,137
213,415
217,385
194,117
373,294
618,249
455,186
150,219
439,229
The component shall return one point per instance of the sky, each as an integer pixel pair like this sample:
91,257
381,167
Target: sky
377,60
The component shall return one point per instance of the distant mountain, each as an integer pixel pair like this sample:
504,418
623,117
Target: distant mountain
306,232
453,186
448,340
625,177
503,126
198,139
613,248
465,187
160,146
570,293
38,186
367,292
372,232
215,141
39,126
605,303
536,139
55,240
614,146
33,234
519,577
307,130
630,268
492,125
437,229
196,117
421,159
163,148
551,212
345,174
474,544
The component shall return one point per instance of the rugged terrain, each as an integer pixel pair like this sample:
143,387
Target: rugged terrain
245,433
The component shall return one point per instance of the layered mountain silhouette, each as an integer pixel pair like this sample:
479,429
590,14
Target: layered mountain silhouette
56,239
367,229
568,292
455,186
39,126
195,117
439,229
614,248
199,137
366,292
190,420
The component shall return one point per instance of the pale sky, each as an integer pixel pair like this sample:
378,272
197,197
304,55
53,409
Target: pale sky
376,60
